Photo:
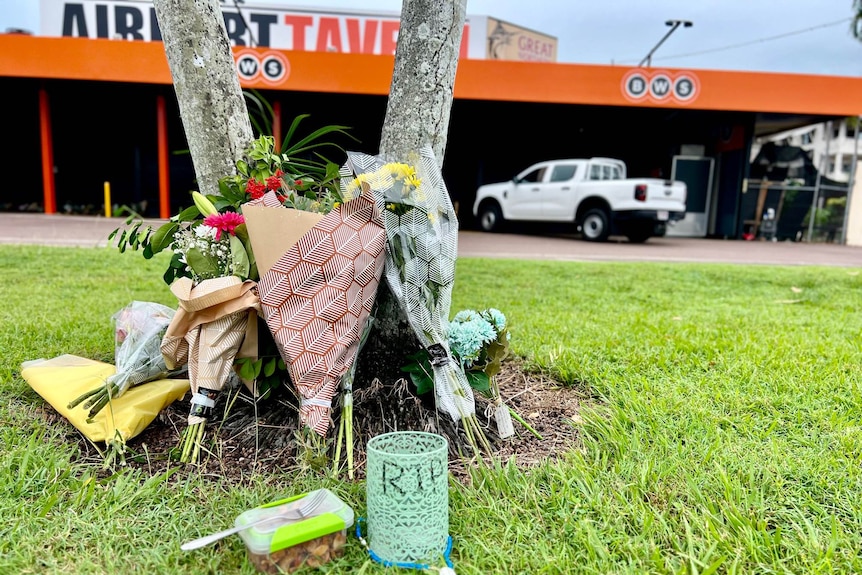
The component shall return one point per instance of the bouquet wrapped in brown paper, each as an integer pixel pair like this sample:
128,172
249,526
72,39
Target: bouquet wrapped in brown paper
217,309
214,319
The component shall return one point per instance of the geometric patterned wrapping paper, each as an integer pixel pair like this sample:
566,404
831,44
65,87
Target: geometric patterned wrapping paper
316,300
421,253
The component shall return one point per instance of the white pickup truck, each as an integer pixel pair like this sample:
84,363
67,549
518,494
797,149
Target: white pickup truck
592,194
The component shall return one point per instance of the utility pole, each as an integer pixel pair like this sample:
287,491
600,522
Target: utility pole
674,24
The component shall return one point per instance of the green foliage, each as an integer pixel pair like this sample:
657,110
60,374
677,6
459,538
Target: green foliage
856,27
266,372
301,176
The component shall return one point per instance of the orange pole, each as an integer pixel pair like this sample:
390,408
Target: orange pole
164,168
276,125
49,189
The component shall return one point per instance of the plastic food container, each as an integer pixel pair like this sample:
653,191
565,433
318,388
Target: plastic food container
290,541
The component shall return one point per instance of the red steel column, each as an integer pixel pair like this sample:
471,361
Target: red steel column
49,190
164,168
276,125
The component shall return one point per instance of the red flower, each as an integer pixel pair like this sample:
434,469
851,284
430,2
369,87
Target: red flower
274,182
226,222
255,189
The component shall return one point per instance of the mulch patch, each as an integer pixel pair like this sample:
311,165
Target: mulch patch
253,439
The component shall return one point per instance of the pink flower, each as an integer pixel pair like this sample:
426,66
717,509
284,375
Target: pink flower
226,222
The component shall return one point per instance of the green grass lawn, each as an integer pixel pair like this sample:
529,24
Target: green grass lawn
727,436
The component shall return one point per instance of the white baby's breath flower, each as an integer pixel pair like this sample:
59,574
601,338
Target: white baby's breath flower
204,231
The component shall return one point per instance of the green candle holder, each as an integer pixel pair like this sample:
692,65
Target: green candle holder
407,493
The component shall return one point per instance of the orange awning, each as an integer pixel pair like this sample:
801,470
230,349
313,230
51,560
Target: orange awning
145,62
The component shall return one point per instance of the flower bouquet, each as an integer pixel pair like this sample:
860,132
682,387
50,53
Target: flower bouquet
138,331
479,342
421,250
216,298
318,292
213,270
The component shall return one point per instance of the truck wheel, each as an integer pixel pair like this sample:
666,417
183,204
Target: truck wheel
490,217
595,225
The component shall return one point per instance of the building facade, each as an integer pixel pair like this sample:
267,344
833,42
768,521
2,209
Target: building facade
86,108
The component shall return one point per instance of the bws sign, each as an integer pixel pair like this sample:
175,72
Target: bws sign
270,66
660,87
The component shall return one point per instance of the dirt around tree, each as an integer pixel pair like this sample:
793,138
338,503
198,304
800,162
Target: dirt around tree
263,438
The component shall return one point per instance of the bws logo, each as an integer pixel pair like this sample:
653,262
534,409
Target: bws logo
660,87
271,67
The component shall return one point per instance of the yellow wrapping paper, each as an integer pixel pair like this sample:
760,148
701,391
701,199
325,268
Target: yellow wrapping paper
63,378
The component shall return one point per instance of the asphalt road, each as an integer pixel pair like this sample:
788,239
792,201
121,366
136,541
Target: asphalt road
90,231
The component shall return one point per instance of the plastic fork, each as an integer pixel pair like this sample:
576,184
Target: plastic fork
302,510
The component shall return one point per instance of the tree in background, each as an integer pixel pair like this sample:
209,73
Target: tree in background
857,19
212,107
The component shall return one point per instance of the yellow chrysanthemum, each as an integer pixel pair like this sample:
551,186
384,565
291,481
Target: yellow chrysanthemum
412,180
432,217
355,185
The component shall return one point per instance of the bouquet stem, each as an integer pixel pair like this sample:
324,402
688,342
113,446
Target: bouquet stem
523,422
203,402
96,399
191,442
337,456
475,434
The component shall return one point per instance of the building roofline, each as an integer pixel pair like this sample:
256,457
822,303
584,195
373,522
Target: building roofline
552,83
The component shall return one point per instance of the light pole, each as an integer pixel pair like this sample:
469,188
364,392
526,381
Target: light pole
674,24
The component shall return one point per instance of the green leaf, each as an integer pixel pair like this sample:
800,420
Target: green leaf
258,366
242,167
170,275
269,367
242,233
246,368
479,381
203,265
221,204
163,236
423,383
421,372
241,265
496,352
189,214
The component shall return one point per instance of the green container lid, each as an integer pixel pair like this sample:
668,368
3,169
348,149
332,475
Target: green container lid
330,516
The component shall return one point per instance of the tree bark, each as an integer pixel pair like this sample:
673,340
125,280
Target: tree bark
426,59
212,107
417,113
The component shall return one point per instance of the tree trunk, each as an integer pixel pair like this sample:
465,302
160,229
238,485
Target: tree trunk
417,113
212,107
426,58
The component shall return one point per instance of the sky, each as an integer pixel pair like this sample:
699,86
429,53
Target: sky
795,36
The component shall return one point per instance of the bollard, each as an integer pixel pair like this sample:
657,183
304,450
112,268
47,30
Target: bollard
107,199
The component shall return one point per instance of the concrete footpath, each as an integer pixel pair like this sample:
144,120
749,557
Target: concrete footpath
92,231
